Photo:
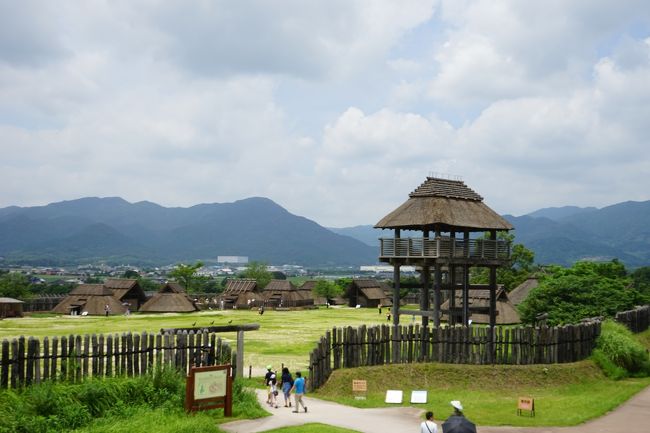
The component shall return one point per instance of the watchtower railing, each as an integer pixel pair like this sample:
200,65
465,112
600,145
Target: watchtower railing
444,247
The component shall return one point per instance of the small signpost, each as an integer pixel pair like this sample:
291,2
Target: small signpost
359,388
419,397
394,396
527,404
209,388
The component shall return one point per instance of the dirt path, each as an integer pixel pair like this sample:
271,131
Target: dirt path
632,416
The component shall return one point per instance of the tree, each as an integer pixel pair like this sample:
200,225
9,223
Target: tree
258,272
521,265
641,281
130,273
14,285
327,289
587,289
186,275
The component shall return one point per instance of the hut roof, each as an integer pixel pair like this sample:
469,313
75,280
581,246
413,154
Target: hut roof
373,293
122,287
94,304
236,286
10,301
446,203
308,285
507,313
91,290
171,287
366,284
521,292
279,286
169,300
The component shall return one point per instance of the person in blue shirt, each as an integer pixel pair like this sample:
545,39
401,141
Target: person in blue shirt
299,391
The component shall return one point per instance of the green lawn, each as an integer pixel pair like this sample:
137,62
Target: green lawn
284,336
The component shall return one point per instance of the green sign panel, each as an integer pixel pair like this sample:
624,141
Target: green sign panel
210,384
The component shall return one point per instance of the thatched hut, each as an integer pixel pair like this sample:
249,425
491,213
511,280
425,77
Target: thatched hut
521,292
368,293
171,298
127,291
239,293
283,294
479,305
446,212
91,299
10,307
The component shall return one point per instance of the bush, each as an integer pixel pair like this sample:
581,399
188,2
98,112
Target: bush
619,354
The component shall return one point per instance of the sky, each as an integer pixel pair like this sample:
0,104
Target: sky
334,109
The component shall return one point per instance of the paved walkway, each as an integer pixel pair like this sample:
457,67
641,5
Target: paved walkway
632,416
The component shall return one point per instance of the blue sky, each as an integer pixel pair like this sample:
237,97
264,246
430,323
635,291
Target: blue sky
334,109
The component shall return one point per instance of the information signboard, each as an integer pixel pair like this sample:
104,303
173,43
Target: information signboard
209,388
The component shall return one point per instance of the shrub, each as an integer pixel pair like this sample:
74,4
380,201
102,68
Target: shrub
617,345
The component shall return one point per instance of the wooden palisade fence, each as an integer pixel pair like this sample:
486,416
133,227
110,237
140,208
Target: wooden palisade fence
385,344
637,320
25,361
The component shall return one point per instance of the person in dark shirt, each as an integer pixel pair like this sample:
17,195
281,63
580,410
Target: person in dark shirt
286,382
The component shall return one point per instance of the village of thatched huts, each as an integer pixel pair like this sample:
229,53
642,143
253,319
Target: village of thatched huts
171,298
240,293
91,299
368,293
127,291
283,294
479,303
521,292
10,307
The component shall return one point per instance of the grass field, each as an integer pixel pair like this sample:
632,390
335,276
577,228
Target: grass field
284,336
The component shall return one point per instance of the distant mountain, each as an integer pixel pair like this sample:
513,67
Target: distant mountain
567,234
558,213
366,234
116,231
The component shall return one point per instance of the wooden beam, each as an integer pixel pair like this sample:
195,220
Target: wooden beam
222,328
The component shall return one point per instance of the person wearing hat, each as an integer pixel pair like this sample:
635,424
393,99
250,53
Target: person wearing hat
457,421
270,380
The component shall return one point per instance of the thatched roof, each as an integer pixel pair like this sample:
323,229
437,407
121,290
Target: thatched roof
446,203
506,311
92,303
170,299
279,285
521,292
125,288
10,301
235,286
91,290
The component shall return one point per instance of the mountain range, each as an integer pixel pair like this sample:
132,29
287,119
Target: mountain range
563,235
114,231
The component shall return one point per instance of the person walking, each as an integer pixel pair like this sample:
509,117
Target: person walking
270,380
457,421
428,426
286,383
299,391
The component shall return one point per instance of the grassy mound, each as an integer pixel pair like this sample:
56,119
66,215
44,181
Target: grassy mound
565,394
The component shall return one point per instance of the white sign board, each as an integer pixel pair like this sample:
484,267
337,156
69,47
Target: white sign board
393,396
418,396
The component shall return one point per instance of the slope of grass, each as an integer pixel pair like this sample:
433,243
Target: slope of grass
565,394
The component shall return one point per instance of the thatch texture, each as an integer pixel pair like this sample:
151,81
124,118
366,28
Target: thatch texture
506,312
447,204
368,293
127,290
170,299
282,293
521,292
10,307
239,293
307,291
91,299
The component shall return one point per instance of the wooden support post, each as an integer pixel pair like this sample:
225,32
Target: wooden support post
424,293
240,354
465,295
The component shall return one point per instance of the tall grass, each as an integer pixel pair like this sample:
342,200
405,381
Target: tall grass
109,404
619,353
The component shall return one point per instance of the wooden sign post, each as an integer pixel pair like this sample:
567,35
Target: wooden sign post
209,388
526,403
359,388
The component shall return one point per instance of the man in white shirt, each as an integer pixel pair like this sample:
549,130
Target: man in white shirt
428,426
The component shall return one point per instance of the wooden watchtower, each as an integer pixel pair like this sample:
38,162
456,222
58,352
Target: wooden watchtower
446,212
